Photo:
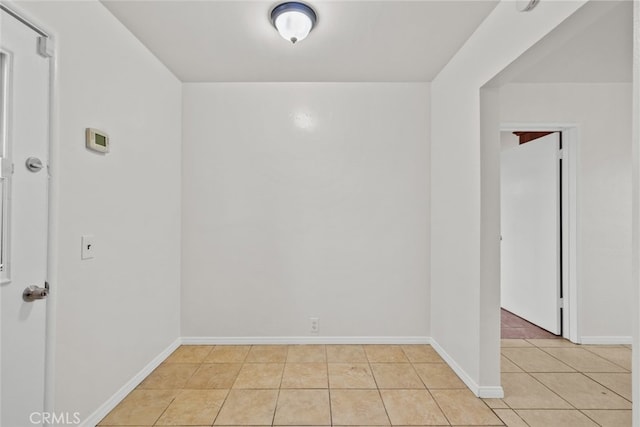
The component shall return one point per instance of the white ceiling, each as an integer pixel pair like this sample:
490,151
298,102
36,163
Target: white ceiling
233,41
595,45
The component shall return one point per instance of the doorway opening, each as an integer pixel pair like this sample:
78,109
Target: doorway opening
538,234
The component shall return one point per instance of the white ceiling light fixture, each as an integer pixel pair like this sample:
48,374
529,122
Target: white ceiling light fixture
293,20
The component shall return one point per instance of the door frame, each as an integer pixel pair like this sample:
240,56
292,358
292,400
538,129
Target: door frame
570,257
19,12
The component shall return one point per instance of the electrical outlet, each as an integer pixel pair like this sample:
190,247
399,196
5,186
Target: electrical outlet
315,325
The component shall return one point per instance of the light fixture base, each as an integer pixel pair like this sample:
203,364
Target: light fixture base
293,20
526,5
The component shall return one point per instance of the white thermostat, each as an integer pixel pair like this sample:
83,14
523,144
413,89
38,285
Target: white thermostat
97,140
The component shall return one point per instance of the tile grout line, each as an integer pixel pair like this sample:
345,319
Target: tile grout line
548,354
581,347
586,374
364,348
428,389
579,371
275,410
182,388
508,409
608,360
326,364
230,388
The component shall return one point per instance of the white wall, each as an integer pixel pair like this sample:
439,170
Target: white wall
305,200
603,114
508,140
465,294
635,219
117,312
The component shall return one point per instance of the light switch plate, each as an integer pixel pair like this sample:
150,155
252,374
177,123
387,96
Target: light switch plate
88,246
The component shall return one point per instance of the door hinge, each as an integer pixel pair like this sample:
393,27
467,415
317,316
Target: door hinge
45,47
560,153
561,303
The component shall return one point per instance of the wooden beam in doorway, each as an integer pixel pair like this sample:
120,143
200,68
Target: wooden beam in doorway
530,136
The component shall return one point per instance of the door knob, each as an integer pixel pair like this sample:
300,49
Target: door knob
34,164
32,293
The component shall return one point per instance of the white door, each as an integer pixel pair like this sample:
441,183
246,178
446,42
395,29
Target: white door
24,135
530,228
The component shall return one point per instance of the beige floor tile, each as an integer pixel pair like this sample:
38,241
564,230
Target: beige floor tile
610,418
535,360
346,354
140,407
582,392
547,343
620,383
357,408
421,354
248,408
522,391
259,375
303,408
214,375
412,408
189,354
508,343
305,375
170,376
619,355
438,375
510,418
555,418
193,407
267,354
396,375
507,365
495,403
461,407
228,354
385,354
583,360
350,375
306,354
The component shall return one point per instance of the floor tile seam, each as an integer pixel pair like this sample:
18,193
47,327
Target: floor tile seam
220,408
605,386
507,409
376,383
439,407
548,388
385,407
326,365
510,360
275,409
438,388
608,360
550,355
579,409
167,407
587,415
573,367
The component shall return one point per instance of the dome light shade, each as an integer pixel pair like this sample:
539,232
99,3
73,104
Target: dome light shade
293,20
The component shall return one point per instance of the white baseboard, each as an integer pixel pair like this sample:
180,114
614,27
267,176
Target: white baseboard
493,392
606,340
304,340
93,419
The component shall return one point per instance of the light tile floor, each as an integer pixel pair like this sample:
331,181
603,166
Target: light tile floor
547,383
